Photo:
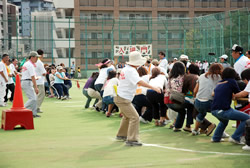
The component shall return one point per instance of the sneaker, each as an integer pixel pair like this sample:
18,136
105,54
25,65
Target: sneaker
39,111
225,135
97,109
233,125
171,126
246,147
236,142
221,140
187,129
108,114
133,143
3,105
162,124
166,122
50,96
142,120
243,139
121,138
36,116
210,129
177,129
195,132
64,98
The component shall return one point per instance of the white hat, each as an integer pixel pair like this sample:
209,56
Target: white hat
224,56
183,57
175,58
136,59
59,67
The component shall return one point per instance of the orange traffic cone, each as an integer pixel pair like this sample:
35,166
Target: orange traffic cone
17,115
18,96
77,84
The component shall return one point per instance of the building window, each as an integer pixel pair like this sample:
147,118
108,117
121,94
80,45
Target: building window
102,3
240,3
136,3
173,3
210,3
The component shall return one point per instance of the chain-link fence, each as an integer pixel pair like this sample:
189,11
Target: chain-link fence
86,41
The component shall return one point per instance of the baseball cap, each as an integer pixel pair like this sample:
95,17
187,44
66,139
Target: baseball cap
237,48
224,56
34,54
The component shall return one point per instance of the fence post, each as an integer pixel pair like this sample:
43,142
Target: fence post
52,40
69,46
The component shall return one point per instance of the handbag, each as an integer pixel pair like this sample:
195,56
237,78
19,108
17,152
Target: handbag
177,97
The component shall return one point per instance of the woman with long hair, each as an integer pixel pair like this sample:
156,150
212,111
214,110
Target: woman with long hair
176,80
203,91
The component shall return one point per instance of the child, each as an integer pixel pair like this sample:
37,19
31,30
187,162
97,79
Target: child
221,107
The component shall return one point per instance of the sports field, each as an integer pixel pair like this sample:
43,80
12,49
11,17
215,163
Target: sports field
69,136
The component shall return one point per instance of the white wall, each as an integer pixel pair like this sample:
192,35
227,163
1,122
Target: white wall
64,4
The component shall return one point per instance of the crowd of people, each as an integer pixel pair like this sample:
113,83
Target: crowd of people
37,80
146,90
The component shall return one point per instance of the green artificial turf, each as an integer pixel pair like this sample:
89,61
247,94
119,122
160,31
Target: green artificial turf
69,136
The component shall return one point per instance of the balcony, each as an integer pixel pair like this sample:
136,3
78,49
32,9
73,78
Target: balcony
64,43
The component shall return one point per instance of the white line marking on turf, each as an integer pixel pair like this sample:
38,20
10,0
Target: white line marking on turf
71,102
194,151
153,129
74,106
188,150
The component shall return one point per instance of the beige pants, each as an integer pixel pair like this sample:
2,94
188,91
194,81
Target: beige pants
95,94
40,96
130,124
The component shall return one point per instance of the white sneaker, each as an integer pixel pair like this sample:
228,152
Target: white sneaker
233,125
194,132
3,105
243,139
236,142
225,135
246,147
143,120
166,122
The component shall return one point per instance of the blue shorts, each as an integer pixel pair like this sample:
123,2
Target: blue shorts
108,100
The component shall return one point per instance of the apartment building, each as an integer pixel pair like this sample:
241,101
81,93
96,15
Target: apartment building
93,40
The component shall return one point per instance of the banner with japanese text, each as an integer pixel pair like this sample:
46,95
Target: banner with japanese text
124,50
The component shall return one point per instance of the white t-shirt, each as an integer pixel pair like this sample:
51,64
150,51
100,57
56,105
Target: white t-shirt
12,66
28,70
109,87
140,89
40,70
128,80
103,75
241,64
160,81
164,64
247,89
10,79
4,70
